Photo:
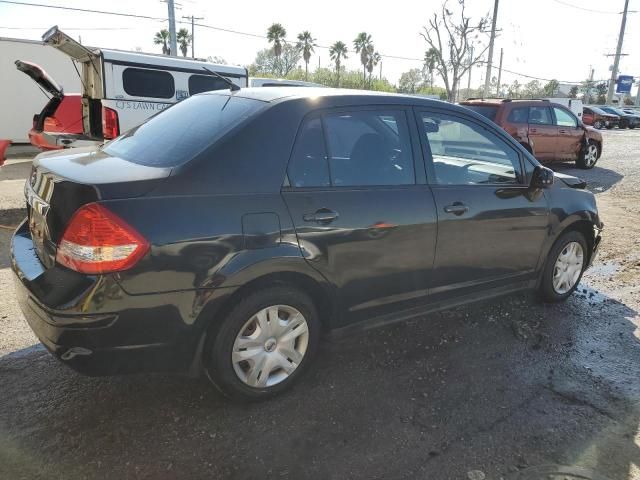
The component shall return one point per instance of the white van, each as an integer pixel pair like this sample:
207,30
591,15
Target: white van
122,89
573,104
280,82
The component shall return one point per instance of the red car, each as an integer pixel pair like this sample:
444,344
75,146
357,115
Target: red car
599,118
62,114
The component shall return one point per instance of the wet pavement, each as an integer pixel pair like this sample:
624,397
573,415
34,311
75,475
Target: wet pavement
493,390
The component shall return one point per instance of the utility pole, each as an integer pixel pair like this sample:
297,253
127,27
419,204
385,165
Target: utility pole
193,32
487,79
499,73
173,44
470,68
616,61
380,70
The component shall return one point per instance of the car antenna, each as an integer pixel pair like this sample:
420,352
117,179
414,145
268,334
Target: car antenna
232,86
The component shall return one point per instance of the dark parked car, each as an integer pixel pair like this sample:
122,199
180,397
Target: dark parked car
627,120
548,130
599,118
228,232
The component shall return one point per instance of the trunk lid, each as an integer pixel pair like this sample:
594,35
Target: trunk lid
42,78
63,181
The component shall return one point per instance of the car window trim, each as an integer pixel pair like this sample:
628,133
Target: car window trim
428,156
321,112
549,112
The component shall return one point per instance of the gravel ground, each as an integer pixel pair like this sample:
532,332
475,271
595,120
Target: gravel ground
492,390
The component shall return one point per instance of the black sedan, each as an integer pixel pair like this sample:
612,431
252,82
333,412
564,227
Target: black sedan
627,120
225,234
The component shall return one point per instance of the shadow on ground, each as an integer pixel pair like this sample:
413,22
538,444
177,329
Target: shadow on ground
497,387
598,179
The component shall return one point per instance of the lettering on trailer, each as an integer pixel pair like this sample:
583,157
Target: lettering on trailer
129,105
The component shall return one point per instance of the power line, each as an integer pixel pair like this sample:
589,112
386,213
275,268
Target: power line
41,29
577,7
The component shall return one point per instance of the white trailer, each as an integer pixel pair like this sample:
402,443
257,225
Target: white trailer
21,97
573,104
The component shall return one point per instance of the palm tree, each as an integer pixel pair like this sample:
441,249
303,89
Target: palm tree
306,43
276,34
184,40
363,45
430,61
162,38
374,59
338,52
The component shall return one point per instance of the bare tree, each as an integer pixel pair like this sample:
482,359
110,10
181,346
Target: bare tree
455,43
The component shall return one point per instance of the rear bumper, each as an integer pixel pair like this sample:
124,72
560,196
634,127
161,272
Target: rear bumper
37,139
93,326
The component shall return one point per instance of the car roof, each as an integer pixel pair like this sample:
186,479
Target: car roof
275,94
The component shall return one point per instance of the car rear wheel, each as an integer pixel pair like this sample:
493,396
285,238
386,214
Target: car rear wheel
264,344
598,124
565,265
589,156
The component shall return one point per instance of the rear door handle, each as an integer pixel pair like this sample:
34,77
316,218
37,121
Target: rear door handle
562,131
533,130
457,208
324,215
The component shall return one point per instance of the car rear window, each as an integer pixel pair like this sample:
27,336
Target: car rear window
183,130
486,110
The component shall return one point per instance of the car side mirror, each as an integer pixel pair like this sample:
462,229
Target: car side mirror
542,177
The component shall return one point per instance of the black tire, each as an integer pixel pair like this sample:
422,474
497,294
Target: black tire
610,126
218,348
585,161
546,289
623,124
632,127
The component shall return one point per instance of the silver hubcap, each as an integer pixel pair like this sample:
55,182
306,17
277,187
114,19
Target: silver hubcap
270,346
591,156
568,268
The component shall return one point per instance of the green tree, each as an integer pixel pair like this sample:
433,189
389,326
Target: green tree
514,89
551,88
267,64
601,90
430,61
306,44
532,89
184,40
587,88
162,38
372,60
363,45
338,52
573,93
276,34
411,81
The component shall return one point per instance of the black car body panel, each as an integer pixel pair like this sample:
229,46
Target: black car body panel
229,220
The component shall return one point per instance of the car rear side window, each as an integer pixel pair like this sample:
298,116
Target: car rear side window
369,147
466,153
540,116
308,165
179,133
139,82
205,83
519,115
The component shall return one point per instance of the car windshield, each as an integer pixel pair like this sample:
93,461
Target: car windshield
181,132
488,111
599,111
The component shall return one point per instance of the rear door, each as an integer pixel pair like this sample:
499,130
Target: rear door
543,134
491,226
570,133
364,216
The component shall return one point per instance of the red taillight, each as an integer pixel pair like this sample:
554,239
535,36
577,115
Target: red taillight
110,128
98,241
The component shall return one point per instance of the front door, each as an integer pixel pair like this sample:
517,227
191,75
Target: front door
543,134
491,226
364,216
570,133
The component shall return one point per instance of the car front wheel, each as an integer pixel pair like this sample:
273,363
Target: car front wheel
588,156
565,265
598,124
264,344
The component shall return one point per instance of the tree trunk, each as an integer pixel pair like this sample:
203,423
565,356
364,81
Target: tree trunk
306,71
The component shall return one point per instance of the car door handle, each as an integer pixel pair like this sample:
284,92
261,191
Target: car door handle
457,208
324,215
533,130
562,131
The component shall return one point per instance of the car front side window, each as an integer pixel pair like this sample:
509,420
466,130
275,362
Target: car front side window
564,118
466,153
